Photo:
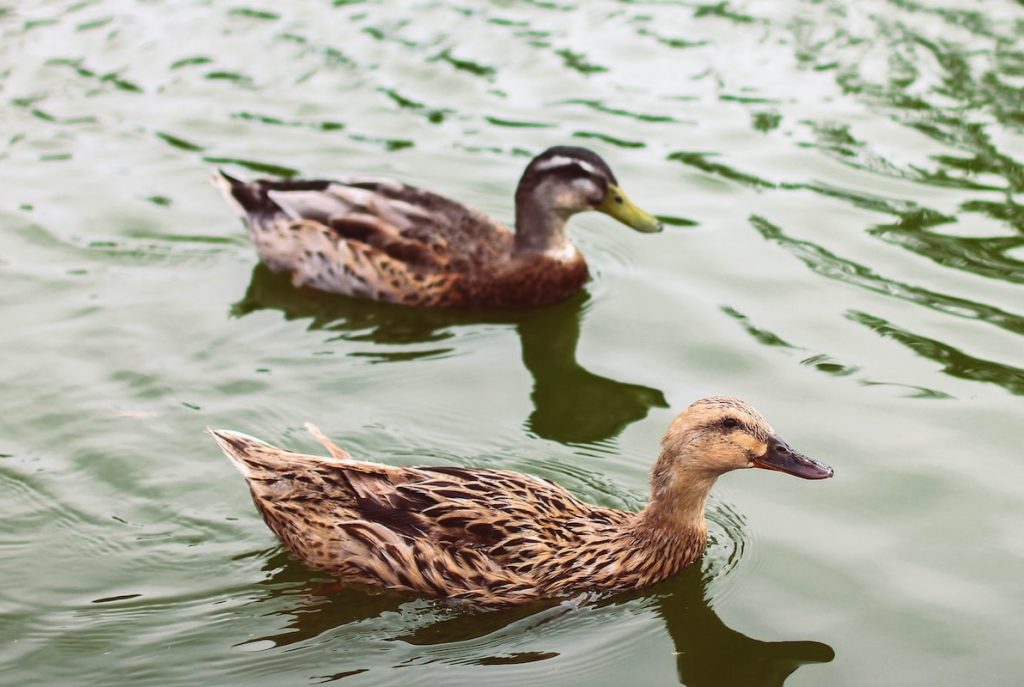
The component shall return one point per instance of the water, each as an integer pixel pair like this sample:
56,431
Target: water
846,250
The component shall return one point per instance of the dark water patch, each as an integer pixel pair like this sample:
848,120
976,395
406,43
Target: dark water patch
723,10
548,5
464,65
828,365
433,115
824,262
761,335
517,124
403,356
94,24
495,150
39,23
954,362
601,107
517,658
822,362
255,166
700,161
945,88
334,677
577,61
502,21
389,144
748,99
27,101
611,140
914,391
381,35
765,121
262,119
181,238
112,599
113,78
121,83
858,199
331,55
251,13
985,256
673,42
270,120
231,76
673,221
835,138
53,119
194,61
1009,212
179,143
79,6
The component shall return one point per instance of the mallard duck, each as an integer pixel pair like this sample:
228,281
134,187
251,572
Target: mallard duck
386,241
494,537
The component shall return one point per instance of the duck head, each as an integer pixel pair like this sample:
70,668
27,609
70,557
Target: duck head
565,180
718,434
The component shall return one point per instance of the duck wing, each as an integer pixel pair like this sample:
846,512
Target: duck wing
375,239
474,534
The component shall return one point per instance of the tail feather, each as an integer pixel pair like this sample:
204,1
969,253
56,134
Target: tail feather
258,459
335,450
238,193
242,449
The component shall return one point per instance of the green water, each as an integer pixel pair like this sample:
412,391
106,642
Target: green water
843,185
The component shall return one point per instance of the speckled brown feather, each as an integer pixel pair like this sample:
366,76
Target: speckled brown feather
493,537
387,241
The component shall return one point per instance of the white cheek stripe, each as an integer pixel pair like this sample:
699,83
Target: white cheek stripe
564,161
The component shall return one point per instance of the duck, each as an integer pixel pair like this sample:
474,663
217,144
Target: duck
383,240
498,538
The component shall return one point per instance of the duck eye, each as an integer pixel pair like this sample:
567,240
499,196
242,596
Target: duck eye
730,423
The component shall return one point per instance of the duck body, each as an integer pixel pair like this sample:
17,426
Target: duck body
487,537
388,241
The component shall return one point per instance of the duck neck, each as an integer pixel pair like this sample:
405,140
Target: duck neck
672,524
540,228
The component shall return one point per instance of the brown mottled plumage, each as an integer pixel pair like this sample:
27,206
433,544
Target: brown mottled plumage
387,241
493,537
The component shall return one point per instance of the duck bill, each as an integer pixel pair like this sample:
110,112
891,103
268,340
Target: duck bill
781,457
618,205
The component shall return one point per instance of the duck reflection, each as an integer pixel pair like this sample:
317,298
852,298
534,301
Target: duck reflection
707,652
570,404
710,653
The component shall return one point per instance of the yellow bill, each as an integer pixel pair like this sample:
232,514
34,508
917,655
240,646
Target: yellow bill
618,205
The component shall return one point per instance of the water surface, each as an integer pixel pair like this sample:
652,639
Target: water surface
842,185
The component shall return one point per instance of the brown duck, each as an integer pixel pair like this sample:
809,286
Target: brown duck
493,537
383,240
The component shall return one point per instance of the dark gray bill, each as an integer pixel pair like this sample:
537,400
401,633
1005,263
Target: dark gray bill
781,457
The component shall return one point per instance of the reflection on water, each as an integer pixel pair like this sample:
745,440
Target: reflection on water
571,404
858,171
706,650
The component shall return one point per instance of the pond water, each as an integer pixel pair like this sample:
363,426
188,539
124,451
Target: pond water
842,183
